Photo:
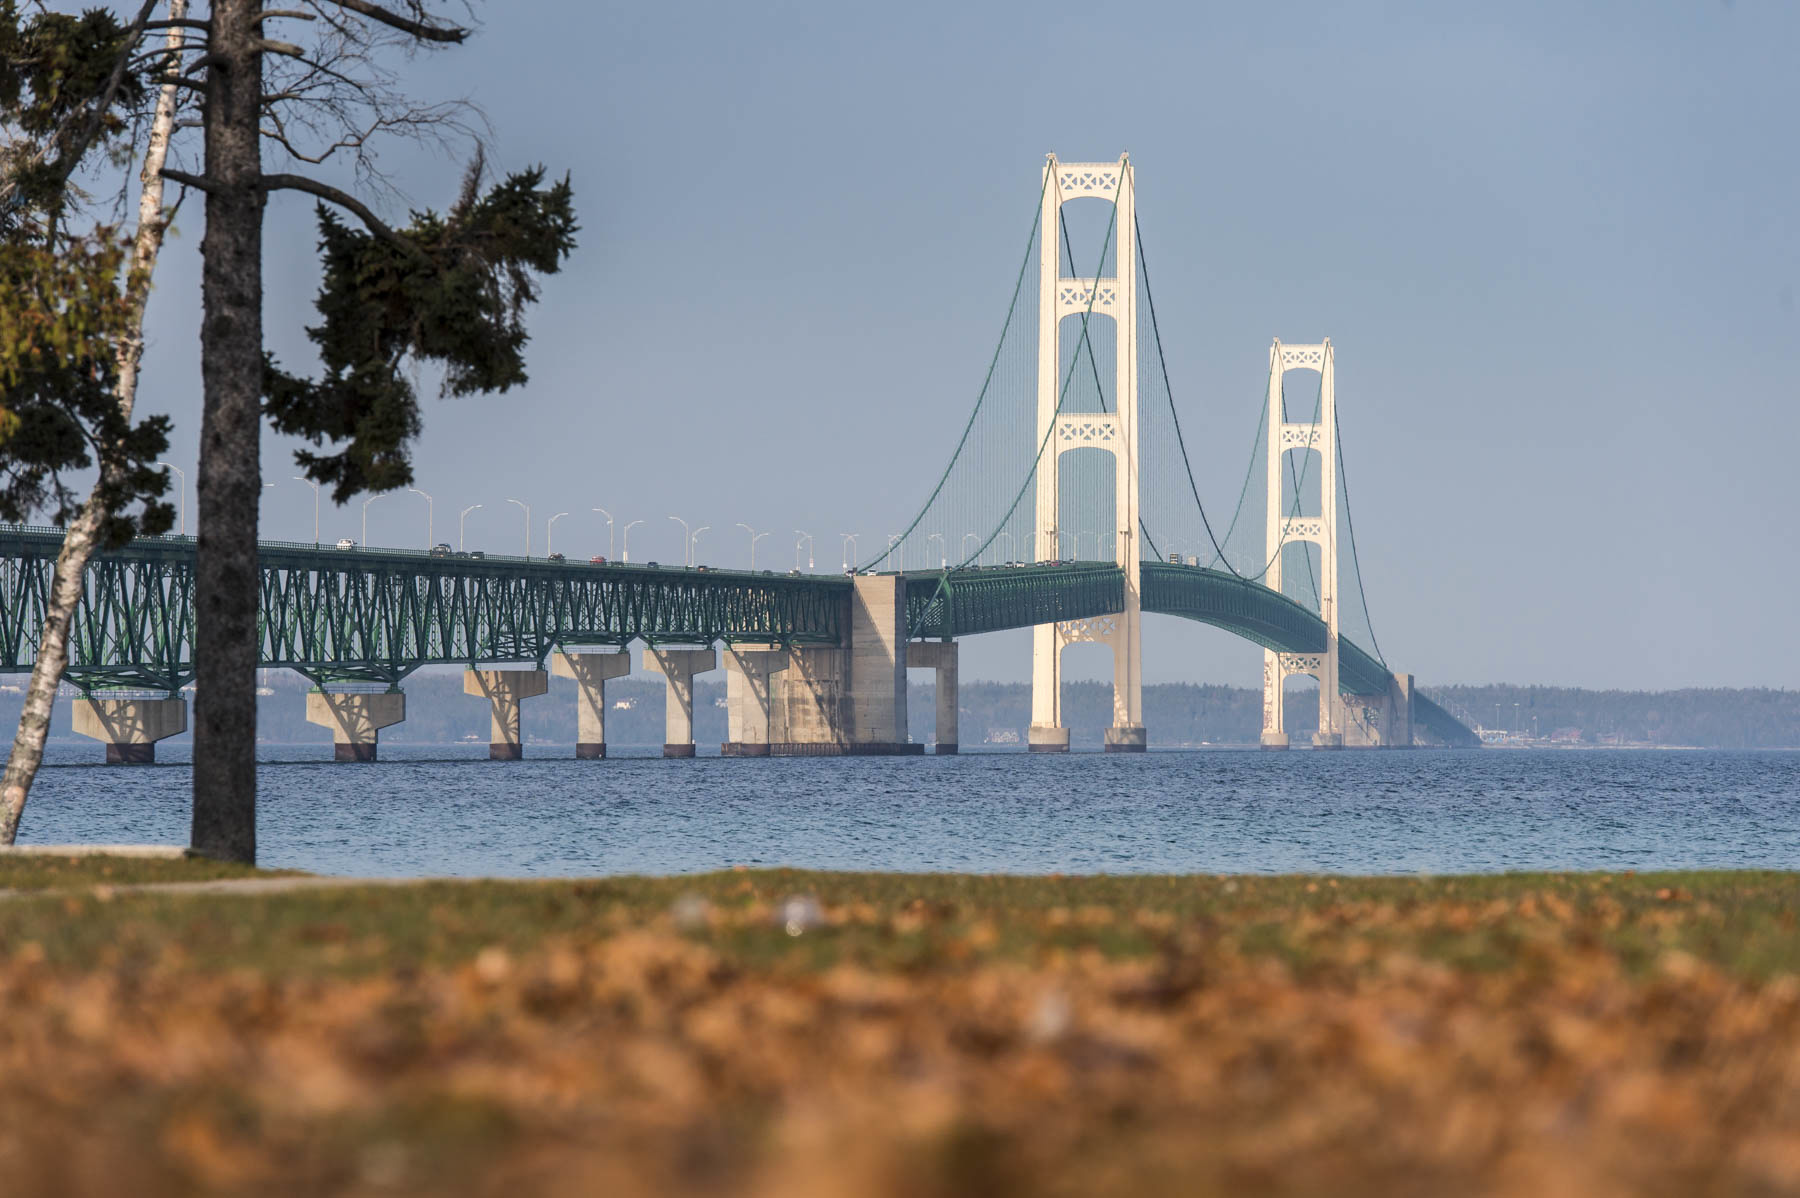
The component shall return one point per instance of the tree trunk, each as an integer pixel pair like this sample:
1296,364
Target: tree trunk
230,478
78,543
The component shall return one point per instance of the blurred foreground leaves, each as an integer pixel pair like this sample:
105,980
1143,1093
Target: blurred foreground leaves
789,1033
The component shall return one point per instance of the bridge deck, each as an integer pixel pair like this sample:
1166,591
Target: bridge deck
376,615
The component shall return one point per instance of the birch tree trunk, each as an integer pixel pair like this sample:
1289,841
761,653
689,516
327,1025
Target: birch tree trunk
230,482
79,542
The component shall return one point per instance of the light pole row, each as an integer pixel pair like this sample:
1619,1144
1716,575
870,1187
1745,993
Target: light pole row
690,535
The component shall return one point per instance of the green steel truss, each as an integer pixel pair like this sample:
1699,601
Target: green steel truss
951,603
376,615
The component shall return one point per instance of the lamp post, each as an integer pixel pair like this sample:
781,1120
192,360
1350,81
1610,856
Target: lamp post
365,526
609,531
801,536
943,551
686,547
694,545
526,508
430,517
754,538
849,548
550,531
315,486
1007,537
182,476
628,529
460,521
967,537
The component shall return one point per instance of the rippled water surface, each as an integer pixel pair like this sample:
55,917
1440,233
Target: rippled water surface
450,811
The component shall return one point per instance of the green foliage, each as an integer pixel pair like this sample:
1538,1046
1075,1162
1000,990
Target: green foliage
63,307
62,315
448,290
53,68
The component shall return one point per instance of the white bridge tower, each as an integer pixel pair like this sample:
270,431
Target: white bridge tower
1287,527
1115,432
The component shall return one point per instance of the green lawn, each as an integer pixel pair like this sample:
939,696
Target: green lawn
1743,922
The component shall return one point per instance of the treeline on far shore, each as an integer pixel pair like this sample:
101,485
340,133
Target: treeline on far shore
997,713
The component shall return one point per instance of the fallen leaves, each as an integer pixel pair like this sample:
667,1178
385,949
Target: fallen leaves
1544,1042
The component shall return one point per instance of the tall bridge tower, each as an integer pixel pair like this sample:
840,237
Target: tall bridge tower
1286,526
1115,432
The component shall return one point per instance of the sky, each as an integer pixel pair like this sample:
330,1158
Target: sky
1554,246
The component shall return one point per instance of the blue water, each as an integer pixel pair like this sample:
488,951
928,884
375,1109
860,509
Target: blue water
449,811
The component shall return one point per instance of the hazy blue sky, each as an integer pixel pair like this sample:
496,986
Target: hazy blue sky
1554,245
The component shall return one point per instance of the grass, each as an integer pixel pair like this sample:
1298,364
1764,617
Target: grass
1741,922
37,871
821,1033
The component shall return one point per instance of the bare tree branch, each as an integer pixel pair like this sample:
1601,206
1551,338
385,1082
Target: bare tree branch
342,199
393,20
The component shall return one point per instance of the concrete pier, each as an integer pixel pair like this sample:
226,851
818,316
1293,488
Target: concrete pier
679,666
1275,740
748,680
1127,739
505,690
130,727
590,672
1383,721
878,664
355,720
1047,738
849,700
939,656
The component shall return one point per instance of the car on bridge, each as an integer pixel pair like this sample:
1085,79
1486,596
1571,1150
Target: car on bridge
441,550
346,543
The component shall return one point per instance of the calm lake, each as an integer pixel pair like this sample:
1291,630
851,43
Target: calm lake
450,811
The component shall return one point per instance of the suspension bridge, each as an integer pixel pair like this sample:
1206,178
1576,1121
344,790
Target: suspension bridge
1072,466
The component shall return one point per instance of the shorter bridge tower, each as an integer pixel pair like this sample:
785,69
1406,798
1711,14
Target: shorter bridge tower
1115,432
1287,527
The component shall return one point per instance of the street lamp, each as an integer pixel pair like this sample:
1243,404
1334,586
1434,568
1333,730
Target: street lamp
754,538
686,546
800,535
694,555
460,520
526,508
430,517
967,537
849,548
1007,536
315,486
628,529
182,476
550,530
366,503
609,531
943,551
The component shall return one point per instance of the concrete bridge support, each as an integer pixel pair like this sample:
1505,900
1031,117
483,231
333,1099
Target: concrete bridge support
590,672
130,727
355,720
505,690
939,656
850,700
679,666
749,680
1381,721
